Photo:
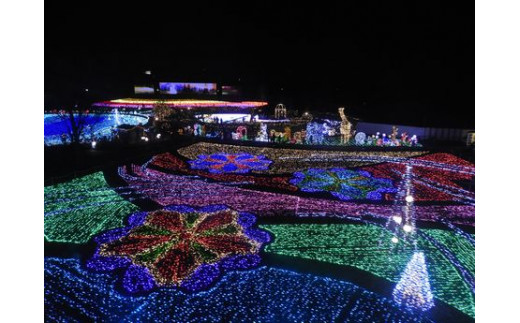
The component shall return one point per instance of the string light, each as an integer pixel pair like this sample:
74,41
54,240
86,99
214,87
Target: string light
230,163
291,160
76,210
356,245
94,125
436,176
179,246
258,295
413,289
167,189
343,183
179,103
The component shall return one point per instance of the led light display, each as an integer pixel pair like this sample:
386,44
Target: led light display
413,289
94,125
179,104
143,89
188,88
358,246
167,189
343,183
179,247
288,161
224,117
230,90
203,261
83,207
230,163
435,177
259,295
171,163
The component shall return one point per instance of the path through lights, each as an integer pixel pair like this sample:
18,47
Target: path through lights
402,224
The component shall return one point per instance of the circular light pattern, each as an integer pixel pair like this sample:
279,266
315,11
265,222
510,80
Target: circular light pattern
397,219
179,246
230,163
343,183
395,240
409,198
407,228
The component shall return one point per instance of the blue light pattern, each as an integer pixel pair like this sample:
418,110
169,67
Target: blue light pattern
342,183
260,295
99,125
230,163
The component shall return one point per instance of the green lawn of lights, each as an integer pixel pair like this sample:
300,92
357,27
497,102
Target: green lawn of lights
81,208
358,246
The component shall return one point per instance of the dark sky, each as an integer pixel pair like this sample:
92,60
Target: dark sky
387,62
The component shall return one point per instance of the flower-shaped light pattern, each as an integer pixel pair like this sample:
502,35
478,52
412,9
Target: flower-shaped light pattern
230,163
343,183
179,247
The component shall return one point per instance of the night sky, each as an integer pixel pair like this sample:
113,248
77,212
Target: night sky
387,62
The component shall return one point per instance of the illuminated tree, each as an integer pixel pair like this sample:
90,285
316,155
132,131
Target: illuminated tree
413,289
161,110
75,112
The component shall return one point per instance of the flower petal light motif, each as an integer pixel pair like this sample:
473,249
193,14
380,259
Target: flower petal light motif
179,246
343,183
230,163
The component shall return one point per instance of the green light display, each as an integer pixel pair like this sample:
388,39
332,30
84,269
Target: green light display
81,208
462,248
359,246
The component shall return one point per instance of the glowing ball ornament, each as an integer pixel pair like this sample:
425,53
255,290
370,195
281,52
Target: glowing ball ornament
395,240
397,219
408,198
407,228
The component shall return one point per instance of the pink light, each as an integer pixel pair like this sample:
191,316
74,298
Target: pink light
178,103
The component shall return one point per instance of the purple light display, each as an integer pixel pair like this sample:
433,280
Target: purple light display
167,189
187,88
